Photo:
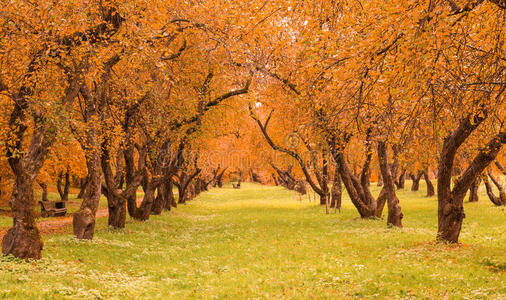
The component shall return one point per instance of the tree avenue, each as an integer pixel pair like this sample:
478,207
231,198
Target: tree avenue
326,98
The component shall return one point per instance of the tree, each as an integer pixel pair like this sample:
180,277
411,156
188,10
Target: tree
42,63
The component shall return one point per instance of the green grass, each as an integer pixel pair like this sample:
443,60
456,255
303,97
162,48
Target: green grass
258,242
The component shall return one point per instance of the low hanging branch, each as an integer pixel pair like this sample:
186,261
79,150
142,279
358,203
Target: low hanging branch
496,200
500,167
274,75
177,54
263,128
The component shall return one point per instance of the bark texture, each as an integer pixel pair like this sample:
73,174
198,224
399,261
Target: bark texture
63,179
23,240
415,186
450,201
401,180
428,183
83,221
336,192
473,190
394,208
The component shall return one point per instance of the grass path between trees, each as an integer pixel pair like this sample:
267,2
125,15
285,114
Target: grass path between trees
261,242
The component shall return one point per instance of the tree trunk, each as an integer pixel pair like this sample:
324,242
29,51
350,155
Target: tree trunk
473,190
169,190
401,180
84,183
416,180
360,197
430,186
191,191
23,240
112,189
180,195
181,191
365,175
66,187
83,222
337,192
219,179
165,196
450,201
59,184
158,203
43,185
185,186
380,180
380,203
117,213
142,212
325,199
117,195
394,209
300,187
63,191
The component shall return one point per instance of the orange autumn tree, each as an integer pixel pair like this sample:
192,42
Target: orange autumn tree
45,60
395,64
347,87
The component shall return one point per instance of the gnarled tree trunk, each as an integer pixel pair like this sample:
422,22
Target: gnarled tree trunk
113,187
159,202
23,239
83,221
117,211
360,196
337,192
143,211
394,208
169,194
401,180
450,201
63,191
416,180
428,183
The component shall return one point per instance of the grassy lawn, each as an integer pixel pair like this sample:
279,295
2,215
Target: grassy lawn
259,242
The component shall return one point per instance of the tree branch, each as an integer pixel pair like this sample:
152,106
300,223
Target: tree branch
284,150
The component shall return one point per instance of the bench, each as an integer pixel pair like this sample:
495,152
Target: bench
52,208
236,186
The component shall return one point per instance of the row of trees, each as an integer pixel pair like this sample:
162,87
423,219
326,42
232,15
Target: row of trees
129,83
418,84
129,94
